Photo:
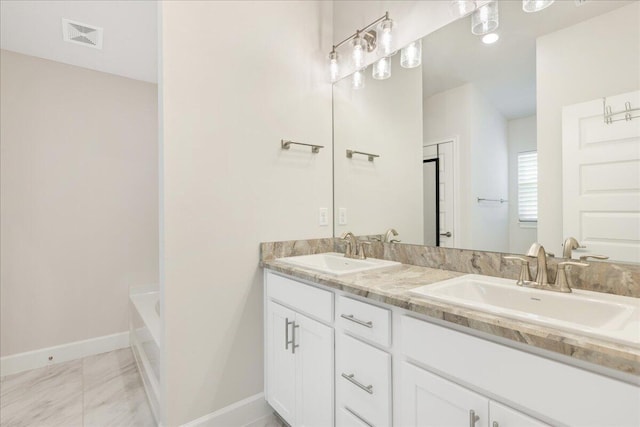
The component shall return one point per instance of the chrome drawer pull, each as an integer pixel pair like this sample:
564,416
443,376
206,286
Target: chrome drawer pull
473,418
286,333
359,417
367,388
293,338
358,321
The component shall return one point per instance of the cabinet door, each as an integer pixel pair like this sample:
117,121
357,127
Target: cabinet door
281,368
431,401
503,416
314,366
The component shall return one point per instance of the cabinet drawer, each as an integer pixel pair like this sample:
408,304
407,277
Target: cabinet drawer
346,417
365,320
304,298
363,380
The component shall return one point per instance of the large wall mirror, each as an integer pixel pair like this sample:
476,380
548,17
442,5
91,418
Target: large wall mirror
496,146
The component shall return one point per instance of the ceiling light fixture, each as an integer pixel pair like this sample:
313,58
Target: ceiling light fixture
411,55
485,19
364,41
460,8
535,5
490,38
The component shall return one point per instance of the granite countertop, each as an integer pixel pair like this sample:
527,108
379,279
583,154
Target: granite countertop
391,286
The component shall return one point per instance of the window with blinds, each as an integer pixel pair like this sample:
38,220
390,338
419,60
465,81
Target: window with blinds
528,186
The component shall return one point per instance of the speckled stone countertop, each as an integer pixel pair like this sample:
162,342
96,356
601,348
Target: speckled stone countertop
391,286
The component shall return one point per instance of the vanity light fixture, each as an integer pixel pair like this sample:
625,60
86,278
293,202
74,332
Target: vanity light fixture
411,55
460,8
490,38
535,5
381,69
386,35
359,51
358,80
485,19
334,67
363,41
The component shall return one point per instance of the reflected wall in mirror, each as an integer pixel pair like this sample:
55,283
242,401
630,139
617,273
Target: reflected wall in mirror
471,143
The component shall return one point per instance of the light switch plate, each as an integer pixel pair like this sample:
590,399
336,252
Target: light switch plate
342,216
323,216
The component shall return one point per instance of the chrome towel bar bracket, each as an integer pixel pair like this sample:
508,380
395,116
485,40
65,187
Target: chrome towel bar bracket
285,145
371,156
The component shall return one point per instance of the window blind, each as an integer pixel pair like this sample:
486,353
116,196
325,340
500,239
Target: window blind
528,186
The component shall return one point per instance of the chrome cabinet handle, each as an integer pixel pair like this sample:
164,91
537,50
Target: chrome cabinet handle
351,379
286,333
447,234
293,338
358,321
495,424
360,418
473,418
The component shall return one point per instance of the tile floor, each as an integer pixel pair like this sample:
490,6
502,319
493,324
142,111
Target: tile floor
97,391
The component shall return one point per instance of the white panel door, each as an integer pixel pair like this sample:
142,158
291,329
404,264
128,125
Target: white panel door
503,416
601,179
431,401
314,364
281,367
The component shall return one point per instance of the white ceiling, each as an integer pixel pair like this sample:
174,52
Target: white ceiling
130,34
504,72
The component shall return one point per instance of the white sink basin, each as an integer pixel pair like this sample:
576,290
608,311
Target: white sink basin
611,317
336,264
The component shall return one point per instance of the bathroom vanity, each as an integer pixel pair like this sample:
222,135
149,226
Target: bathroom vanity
361,350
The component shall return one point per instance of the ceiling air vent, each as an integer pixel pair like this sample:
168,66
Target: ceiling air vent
79,33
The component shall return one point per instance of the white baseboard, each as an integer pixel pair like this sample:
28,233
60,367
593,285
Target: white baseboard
62,353
238,414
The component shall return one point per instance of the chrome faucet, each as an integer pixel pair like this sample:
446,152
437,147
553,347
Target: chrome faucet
352,244
569,245
355,247
388,236
537,251
563,282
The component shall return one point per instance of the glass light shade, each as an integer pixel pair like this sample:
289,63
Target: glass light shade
411,55
460,8
334,68
358,80
385,37
535,5
381,70
485,19
359,51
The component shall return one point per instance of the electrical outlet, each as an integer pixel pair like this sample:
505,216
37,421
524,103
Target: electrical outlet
342,216
323,217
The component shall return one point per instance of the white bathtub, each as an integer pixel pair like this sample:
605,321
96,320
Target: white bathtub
144,328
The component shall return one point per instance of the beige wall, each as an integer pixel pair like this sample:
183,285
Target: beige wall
231,89
78,200
596,58
384,118
465,114
521,137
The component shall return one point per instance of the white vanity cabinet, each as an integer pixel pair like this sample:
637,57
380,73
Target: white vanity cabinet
299,353
431,401
394,367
